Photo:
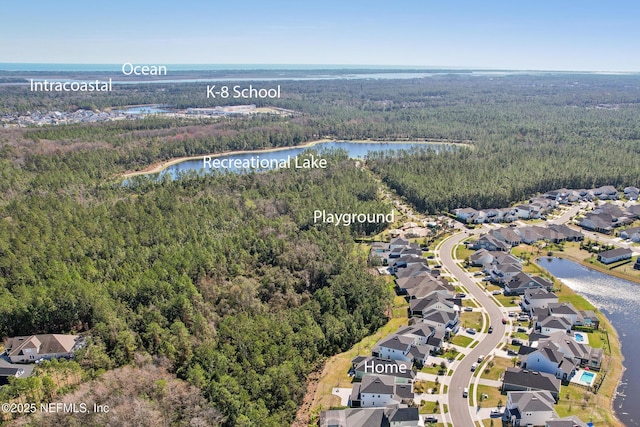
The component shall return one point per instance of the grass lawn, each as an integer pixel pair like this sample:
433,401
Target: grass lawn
428,408
508,301
494,398
470,319
461,340
462,253
424,386
435,370
500,364
575,400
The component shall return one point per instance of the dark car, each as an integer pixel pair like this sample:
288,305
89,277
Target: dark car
490,329
430,419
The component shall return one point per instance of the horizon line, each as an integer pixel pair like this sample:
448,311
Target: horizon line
321,66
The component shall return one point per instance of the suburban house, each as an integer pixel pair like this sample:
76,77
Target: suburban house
583,354
614,255
631,193
28,349
379,391
434,301
566,310
507,235
444,321
552,324
490,243
419,332
522,282
538,299
503,273
399,243
393,416
516,379
632,234
602,223
529,408
395,347
480,258
548,359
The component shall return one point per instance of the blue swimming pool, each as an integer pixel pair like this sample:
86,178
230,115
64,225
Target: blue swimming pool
587,377
578,337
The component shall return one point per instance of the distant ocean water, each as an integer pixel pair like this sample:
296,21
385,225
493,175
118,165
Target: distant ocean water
11,66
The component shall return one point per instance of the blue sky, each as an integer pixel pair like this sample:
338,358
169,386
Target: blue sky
539,35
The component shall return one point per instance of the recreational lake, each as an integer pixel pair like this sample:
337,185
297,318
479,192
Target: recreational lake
619,301
356,150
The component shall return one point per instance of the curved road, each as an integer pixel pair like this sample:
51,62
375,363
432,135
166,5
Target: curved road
459,409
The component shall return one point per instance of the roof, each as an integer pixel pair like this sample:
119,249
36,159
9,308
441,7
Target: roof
396,342
571,421
531,379
531,401
562,308
397,415
377,384
439,316
614,253
352,417
556,322
42,344
539,294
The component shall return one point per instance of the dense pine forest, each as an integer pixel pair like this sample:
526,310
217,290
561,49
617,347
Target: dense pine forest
225,281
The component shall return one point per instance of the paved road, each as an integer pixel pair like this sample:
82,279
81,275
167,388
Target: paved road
459,406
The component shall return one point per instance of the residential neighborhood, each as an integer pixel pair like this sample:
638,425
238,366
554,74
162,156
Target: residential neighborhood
547,346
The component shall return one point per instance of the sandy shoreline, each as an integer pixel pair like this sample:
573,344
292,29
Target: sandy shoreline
160,166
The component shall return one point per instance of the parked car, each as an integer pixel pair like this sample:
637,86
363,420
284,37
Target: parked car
496,292
512,314
490,329
468,308
474,367
471,331
521,329
504,320
430,419
480,358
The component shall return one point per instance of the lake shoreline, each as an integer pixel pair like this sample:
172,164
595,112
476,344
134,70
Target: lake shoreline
161,166
617,369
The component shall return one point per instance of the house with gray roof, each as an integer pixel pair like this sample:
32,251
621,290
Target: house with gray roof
379,391
549,359
551,324
538,298
615,255
529,408
522,282
571,421
517,379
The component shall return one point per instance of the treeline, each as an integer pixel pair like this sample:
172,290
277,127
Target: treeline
226,277
500,174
